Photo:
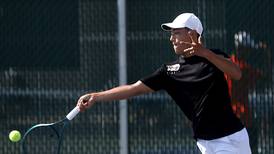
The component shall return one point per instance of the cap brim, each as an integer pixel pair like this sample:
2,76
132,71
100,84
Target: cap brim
167,26
170,26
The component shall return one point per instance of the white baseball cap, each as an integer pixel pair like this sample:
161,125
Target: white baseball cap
183,20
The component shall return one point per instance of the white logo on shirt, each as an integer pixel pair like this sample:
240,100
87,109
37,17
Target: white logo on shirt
173,68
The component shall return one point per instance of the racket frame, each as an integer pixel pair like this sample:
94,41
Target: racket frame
52,126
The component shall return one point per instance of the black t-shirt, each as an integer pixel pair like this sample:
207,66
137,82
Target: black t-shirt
200,89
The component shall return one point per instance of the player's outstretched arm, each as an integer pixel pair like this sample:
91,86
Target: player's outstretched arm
117,93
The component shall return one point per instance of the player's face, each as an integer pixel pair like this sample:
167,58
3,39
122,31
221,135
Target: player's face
177,37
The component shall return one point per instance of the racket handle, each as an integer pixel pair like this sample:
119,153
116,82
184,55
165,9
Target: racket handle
73,113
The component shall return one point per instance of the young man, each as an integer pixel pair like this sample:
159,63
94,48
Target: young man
196,82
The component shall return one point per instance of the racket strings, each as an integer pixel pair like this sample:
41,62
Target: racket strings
42,140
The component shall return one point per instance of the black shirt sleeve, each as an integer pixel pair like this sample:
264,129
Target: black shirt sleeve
156,80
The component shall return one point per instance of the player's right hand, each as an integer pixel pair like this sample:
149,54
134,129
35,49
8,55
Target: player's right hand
85,101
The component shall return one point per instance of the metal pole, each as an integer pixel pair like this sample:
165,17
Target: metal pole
123,132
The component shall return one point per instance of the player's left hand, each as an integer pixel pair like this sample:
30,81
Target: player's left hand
196,46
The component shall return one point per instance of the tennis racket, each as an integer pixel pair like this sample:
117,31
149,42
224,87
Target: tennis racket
46,138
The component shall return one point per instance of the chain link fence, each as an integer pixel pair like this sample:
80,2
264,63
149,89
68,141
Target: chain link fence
52,51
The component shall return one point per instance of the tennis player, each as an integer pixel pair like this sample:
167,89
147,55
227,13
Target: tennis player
196,82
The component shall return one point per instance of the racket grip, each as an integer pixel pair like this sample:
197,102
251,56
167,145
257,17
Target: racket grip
73,113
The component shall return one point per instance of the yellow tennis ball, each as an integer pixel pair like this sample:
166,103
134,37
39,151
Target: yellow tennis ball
15,136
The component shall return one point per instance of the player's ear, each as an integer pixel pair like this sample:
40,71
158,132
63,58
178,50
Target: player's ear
192,32
200,40
193,36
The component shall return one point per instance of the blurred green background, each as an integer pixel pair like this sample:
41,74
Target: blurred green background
52,51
